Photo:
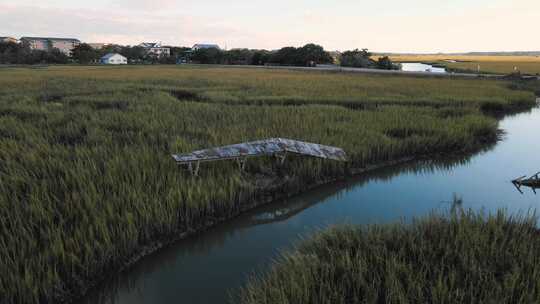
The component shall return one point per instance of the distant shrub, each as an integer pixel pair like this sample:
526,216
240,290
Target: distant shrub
357,59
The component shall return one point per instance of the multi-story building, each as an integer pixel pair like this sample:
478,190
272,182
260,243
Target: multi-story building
65,45
8,39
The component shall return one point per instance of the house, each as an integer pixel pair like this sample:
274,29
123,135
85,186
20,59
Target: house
205,46
65,45
113,58
336,56
8,39
155,49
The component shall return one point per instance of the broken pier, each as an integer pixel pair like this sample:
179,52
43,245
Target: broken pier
278,147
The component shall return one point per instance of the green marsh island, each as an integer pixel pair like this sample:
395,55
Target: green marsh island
88,186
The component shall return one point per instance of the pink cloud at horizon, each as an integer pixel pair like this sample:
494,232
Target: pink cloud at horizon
502,26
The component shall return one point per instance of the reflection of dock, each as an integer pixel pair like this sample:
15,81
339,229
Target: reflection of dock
279,215
278,147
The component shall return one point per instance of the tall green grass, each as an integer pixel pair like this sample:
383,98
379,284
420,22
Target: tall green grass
259,86
86,177
464,258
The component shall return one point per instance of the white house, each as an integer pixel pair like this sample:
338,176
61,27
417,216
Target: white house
113,58
155,49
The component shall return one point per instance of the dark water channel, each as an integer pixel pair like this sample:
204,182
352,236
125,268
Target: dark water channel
206,268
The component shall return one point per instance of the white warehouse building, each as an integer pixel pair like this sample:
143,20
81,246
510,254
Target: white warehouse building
113,58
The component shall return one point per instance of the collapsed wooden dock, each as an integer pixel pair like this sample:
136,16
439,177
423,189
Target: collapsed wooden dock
532,182
278,147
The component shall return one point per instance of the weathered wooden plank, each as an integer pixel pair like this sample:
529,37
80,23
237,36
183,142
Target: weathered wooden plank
272,146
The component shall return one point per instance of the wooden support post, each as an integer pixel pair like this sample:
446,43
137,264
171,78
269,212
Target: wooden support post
197,166
194,170
241,162
518,187
281,157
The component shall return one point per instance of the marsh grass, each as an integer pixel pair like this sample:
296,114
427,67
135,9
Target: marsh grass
86,177
488,64
503,67
465,257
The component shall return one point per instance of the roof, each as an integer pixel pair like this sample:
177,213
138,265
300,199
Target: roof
150,45
50,38
111,55
205,46
270,146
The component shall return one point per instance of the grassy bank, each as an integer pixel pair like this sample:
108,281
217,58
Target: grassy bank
465,258
86,175
488,64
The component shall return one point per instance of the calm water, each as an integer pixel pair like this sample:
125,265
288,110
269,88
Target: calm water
421,67
204,269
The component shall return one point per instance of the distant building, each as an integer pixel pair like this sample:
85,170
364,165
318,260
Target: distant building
205,46
155,48
65,45
8,39
98,46
113,58
336,56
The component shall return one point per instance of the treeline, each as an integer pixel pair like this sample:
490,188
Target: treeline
308,55
86,54
21,53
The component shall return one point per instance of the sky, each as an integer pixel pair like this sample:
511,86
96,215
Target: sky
420,26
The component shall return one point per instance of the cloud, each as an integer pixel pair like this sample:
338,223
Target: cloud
146,5
125,27
502,25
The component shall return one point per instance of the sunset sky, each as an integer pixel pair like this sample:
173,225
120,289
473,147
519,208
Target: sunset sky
392,25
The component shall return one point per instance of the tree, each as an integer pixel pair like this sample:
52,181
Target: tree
135,53
84,54
10,53
308,55
312,54
208,56
180,54
357,58
55,56
13,53
386,64
260,57
238,56
286,56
